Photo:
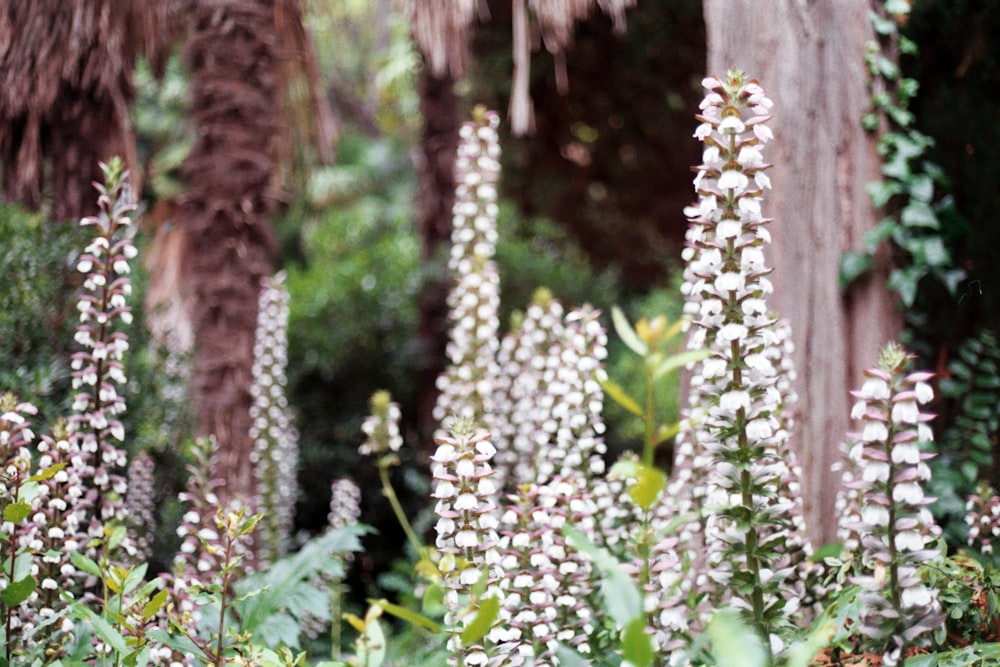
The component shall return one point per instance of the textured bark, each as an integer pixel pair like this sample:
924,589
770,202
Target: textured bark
438,143
810,59
227,213
65,89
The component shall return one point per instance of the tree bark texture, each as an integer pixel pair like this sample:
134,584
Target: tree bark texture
227,210
65,89
438,144
809,56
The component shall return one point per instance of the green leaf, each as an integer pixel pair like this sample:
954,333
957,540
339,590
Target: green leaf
154,605
627,333
919,214
102,628
675,361
733,642
650,482
16,512
637,646
853,265
18,591
570,658
86,564
485,617
621,595
407,615
969,656
48,473
615,391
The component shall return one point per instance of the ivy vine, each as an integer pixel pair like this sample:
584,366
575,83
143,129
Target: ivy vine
906,191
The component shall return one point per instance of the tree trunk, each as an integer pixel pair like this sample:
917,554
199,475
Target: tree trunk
65,90
438,143
810,59
227,212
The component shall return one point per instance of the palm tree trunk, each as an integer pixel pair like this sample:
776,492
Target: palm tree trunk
227,210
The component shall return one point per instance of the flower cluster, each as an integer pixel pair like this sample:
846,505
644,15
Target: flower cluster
276,450
381,427
467,385
345,503
737,408
140,502
466,531
98,373
897,531
982,516
548,587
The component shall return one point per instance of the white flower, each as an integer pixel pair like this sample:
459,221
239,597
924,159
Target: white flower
875,389
923,391
905,412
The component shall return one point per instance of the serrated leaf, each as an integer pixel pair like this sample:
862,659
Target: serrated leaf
618,395
407,615
627,333
486,616
637,646
18,591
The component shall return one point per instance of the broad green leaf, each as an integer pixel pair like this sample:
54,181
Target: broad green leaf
16,512
373,652
433,600
85,564
115,536
621,595
974,655
484,619
570,658
734,643
675,361
637,646
853,265
102,628
649,483
408,615
615,391
18,591
627,333
154,605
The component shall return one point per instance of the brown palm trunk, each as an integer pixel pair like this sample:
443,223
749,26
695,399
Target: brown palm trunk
65,89
227,210
810,58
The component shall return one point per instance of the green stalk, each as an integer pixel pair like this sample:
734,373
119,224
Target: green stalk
397,508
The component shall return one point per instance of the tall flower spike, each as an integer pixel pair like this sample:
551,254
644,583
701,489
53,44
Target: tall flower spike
897,531
726,288
276,446
467,384
98,373
466,532
982,516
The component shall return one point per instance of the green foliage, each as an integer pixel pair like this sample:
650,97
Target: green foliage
907,190
37,317
965,448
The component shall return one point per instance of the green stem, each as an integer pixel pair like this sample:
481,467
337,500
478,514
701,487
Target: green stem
397,508
648,450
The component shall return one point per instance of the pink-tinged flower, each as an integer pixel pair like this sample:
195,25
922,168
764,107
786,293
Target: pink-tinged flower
466,386
733,448
467,543
886,471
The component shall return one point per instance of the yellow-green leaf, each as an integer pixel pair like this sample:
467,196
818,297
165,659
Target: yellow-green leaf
650,482
408,615
154,605
627,333
615,391
489,608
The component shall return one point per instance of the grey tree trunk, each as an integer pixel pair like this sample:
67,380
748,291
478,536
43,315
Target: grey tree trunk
809,56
